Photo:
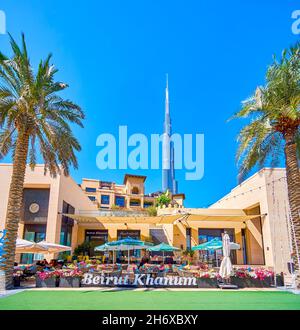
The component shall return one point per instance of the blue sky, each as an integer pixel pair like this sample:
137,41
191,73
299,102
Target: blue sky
115,54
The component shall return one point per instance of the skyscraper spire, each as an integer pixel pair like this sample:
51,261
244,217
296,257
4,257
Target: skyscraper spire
168,171
167,94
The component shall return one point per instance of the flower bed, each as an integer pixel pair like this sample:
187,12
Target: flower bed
243,277
62,278
70,278
47,279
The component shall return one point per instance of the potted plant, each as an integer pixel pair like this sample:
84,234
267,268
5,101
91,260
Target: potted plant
188,255
82,249
163,199
70,278
48,279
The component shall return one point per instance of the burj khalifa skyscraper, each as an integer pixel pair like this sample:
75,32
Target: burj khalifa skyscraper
168,171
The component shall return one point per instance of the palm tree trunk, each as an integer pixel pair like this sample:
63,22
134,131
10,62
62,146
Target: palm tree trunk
293,183
14,206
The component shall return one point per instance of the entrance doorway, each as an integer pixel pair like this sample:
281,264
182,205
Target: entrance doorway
95,237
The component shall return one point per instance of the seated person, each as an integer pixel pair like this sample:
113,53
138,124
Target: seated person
59,264
144,260
30,270
161,267
169,260
53,263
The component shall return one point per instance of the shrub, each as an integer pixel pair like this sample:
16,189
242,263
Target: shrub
152,211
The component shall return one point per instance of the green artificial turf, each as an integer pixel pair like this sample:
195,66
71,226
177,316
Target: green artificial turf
179,300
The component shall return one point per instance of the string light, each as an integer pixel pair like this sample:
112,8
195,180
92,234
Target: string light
250,190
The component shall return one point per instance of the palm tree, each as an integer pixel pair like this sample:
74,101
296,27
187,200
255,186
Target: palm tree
275,130
32,117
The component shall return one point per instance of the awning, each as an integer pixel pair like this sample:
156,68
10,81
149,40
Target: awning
202,214
111,219
230,215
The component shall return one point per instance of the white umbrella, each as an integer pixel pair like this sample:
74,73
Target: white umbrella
53,247
226,266
24,246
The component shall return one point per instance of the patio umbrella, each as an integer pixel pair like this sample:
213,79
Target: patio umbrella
53,247
24,246
163,247
129,244
214,244
107,247
226,266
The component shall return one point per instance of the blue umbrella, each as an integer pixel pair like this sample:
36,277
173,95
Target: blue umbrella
163,247
214,244
129,243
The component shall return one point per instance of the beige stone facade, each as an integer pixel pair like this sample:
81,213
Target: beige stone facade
264,192
129,195
255,213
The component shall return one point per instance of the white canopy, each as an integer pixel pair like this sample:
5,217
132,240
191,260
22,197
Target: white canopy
24,246
52,247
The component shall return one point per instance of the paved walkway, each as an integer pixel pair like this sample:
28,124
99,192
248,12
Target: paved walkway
9,292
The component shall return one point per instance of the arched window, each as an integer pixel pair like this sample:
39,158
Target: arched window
135,190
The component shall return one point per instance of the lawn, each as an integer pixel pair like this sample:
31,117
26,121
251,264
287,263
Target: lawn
151,300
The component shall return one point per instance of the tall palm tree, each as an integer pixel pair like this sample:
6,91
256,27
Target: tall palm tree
32,117
275,130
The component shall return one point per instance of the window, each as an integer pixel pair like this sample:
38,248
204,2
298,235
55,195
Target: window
214,256
95,237
105,199
120,201
34,233
135,190
92,198
66,224
135,202
135,234
89,189
35,205
147,204
188,238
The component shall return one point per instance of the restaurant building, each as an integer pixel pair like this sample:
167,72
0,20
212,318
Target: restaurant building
254,214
